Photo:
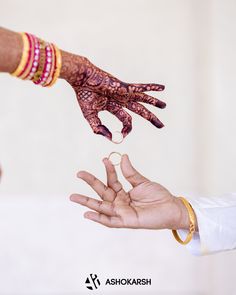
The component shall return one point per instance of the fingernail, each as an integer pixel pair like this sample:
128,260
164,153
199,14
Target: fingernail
157,123
125,155
161,104
126,130
79,174
161,87
86,215
103,130
105,160
72,198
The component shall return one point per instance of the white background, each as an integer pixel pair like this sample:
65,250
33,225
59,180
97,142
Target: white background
46,247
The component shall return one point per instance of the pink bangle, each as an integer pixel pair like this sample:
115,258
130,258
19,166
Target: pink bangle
50,68
35,58
53,67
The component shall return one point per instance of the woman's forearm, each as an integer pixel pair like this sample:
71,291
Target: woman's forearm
28,57
11,48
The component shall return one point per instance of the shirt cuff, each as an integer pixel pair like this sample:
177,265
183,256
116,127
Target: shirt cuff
216,224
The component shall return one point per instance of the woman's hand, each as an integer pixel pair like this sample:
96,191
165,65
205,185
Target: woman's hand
147,205
98,91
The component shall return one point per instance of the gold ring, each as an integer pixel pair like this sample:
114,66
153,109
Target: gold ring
119,138
114,159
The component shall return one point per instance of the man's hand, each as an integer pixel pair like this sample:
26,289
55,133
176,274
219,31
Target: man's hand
97,90
147,205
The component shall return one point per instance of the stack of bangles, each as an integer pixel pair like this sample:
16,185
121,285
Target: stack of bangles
40,61
192,224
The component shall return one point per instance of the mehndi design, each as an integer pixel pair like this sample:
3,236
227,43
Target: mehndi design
98,91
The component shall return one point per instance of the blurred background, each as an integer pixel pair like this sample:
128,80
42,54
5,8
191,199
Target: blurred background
46,247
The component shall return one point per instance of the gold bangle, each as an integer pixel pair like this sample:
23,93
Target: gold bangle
192,223
24,56
58,67
39,72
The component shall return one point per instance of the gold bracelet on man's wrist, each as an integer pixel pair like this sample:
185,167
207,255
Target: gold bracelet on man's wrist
192,223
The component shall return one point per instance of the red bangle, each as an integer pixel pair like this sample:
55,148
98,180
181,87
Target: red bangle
40,61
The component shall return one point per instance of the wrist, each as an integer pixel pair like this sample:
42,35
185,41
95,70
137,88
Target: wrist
182,216
71,65
66,58
182,220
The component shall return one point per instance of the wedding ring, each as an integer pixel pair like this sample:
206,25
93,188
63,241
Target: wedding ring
115,158
117,137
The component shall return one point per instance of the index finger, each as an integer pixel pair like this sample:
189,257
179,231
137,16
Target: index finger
112,178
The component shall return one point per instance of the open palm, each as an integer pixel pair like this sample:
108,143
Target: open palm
147,205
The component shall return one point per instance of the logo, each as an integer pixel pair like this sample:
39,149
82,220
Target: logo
92,282
128,282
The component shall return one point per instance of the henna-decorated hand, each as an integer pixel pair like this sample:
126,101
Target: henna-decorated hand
147,205
98,91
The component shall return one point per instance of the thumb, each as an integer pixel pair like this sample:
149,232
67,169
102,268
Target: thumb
131,174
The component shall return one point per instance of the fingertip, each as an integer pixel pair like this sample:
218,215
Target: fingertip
161,105
162,87
126,130
156,87
80,174
161,125
124,159
124,134
103,130
72,197
86,215
109,137
156,122
125,156
106,162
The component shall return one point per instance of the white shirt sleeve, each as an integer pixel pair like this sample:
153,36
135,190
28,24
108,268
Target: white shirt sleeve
216,223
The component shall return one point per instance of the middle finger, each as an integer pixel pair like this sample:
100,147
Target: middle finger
106,193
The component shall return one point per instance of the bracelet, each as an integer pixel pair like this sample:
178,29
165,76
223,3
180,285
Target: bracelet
34,58
39,71
40,61
23,73
57,67
51,68
192,223
46,66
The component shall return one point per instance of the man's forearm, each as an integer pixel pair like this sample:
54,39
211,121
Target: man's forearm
11,47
